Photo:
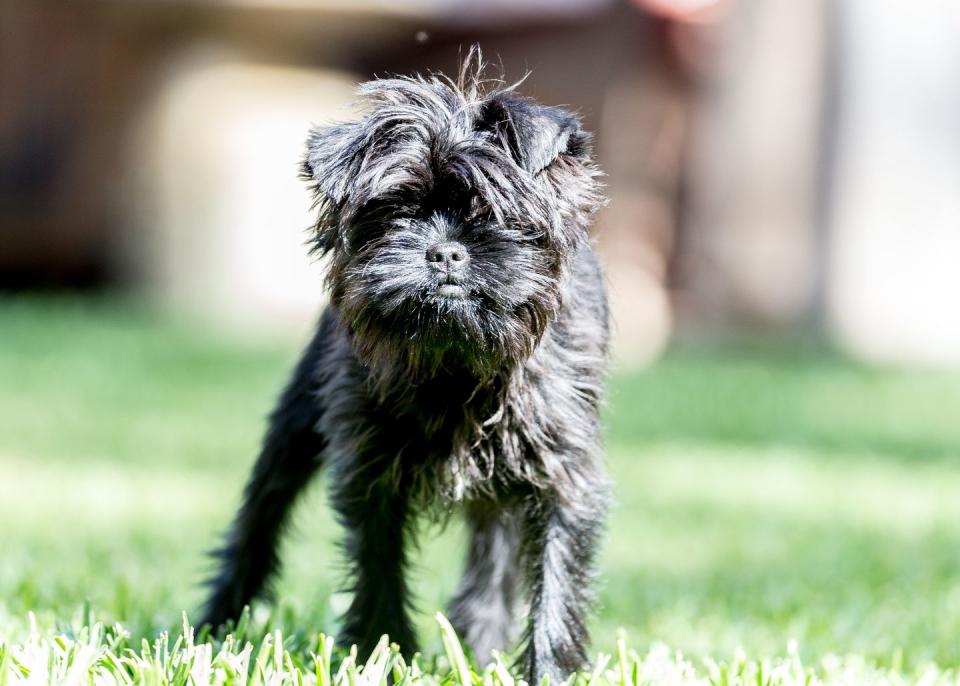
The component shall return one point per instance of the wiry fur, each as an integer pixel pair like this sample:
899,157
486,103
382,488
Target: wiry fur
418,401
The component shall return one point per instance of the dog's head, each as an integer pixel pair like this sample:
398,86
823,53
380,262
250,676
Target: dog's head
450,215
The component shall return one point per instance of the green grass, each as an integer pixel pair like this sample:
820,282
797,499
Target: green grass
95,654
764,494
106,656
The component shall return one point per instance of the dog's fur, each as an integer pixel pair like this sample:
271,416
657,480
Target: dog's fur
470,377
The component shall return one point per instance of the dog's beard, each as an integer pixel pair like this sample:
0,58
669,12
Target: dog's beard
408,317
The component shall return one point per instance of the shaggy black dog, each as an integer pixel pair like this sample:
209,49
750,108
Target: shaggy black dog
460,363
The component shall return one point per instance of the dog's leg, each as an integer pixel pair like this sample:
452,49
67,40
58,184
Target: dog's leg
375,515
289,457
482,609
561,535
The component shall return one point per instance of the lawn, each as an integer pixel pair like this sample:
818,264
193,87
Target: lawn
764,494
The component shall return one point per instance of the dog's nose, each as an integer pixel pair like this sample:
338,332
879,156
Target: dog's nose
449,254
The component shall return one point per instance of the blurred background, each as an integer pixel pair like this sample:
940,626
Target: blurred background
782,247
773,167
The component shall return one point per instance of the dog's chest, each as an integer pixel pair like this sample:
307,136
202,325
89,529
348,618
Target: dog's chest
462,441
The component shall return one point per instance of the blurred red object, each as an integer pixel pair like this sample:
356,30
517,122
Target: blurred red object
687,11
691,30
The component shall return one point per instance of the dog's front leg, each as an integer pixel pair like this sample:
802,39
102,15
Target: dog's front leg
482,609
290,456
561,537
375,515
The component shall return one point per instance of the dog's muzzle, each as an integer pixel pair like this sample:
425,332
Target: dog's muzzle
449,259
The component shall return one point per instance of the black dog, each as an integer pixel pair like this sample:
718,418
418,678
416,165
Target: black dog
461,361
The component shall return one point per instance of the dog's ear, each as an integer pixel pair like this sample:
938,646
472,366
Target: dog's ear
536,135
333,157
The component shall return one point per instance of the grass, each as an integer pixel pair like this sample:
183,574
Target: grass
96,654
764,494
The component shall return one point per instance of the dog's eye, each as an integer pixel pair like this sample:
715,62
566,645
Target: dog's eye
478,209
448,196
363,233
373,219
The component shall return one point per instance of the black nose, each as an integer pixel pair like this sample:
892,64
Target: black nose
449,254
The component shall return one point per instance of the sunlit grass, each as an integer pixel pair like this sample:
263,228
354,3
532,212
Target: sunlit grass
92,653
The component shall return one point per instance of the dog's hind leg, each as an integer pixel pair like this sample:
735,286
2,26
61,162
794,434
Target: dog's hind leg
289,457
482,608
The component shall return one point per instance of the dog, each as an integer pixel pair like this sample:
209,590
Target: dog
459,365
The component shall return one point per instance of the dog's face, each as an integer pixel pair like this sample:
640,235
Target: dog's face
450,219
